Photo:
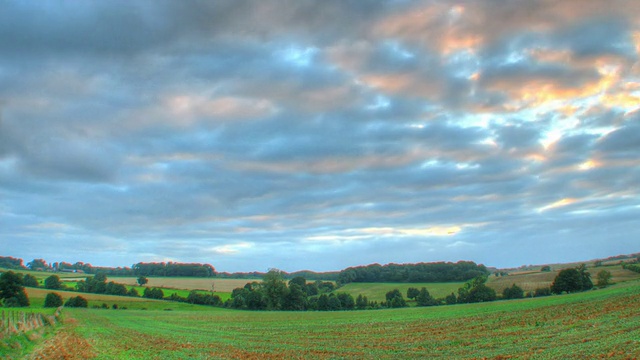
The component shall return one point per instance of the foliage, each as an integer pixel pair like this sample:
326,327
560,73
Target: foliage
53,300
38,264
631,267
203,299
173,269
142,281
52,282
603,278
424,298
572,280
475,290
30,281
395,299
12,292
77,302
513,292
545,268
451,299
8,262
545,291
421,272
568,280
412,293
153,293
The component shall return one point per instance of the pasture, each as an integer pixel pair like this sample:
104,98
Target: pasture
598,323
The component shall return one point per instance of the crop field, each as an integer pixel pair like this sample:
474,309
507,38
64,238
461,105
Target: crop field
187,283
599,323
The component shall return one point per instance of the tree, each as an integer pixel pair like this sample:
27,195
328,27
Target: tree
77,301
275,289
52,282
395,299
295,299
475,290
412,293
424,298
133,292
604,278
567,280
53,300
142,280
362,302
450,299
346,301
38,264
12,293
30,281
545,268
513,292
586,277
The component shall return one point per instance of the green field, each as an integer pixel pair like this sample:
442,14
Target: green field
377,291
592,324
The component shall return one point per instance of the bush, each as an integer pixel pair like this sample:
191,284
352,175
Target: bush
53,300
77,301
513,292
542,292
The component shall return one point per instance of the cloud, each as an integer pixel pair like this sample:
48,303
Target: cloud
318,135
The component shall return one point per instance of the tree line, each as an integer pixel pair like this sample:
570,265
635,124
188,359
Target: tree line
411,273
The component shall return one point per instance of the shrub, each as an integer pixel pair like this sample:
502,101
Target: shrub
77,301
53,300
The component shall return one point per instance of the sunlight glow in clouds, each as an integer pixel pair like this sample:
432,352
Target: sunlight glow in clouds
319,135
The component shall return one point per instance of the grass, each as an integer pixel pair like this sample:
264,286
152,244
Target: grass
592,324
377,291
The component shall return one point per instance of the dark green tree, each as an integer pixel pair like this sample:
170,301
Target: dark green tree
513,292
450,299
142,281
603,278
587,284
395,299
412,293
12,292
295,299
153,293
52,282
275,289
53,300
362,302
300,281
133,292
475,290
323,302
113,288
77,301
424,298
346,301
334,303
30,281
567,280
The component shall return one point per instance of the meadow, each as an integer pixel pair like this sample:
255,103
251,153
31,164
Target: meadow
598,323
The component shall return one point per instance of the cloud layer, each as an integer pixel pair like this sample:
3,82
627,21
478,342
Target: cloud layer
319,135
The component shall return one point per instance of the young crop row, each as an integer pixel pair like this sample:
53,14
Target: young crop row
591,324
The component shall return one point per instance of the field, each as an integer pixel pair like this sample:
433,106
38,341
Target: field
377,291
599,323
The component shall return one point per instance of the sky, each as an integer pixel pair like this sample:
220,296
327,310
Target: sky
319,134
